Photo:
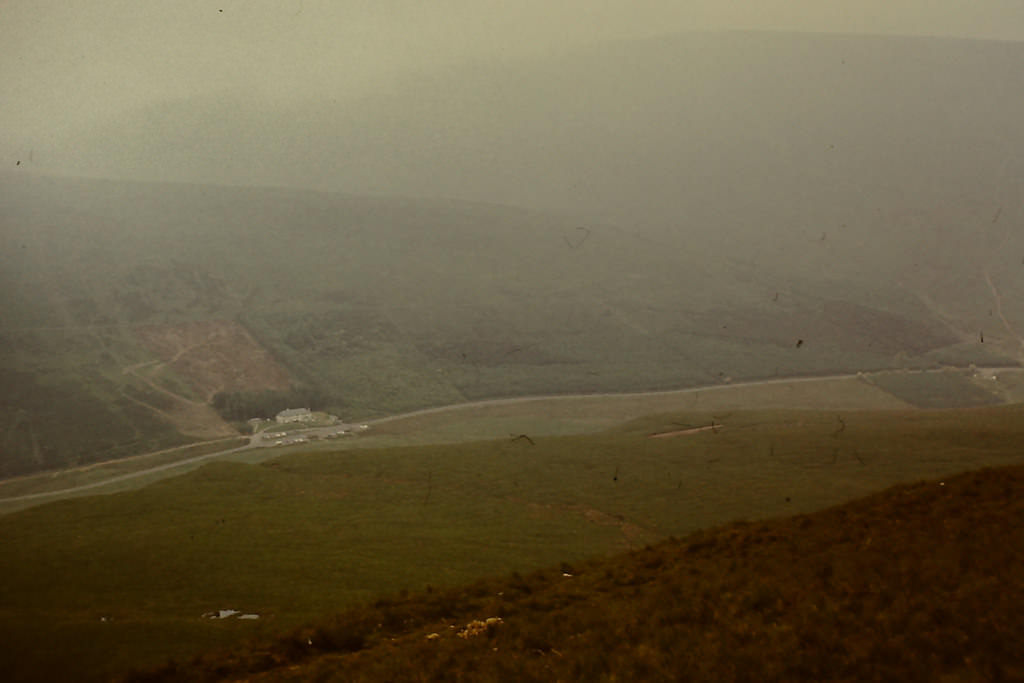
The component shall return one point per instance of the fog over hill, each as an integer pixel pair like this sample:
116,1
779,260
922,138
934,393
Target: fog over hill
463,241
628,215
637,131
754,144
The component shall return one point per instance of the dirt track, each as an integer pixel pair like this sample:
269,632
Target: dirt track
211,356
681,432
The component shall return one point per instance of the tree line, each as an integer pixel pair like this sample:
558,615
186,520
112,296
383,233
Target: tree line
235,406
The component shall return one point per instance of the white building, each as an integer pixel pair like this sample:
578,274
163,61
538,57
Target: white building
294,415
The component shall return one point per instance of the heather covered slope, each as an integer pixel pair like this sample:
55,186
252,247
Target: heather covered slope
691,208
127,307
919,582
100,585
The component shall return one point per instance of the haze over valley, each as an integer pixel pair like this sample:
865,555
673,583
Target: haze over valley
494,252
598,222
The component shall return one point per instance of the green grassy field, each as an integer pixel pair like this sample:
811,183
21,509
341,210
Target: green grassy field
545,416
937,390
921,581
542,416
560,415
123,580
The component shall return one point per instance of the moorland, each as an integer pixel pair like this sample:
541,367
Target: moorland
131,579
592,307
919,582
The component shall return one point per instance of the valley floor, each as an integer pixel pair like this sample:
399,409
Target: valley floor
567,414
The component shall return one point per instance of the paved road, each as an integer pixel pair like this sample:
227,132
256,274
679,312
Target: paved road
125,477
632,394
669,392
258,441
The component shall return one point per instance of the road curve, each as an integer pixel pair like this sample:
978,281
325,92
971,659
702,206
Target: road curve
256,443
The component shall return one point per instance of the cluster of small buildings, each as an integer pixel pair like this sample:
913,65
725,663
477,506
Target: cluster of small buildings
333,429
294,415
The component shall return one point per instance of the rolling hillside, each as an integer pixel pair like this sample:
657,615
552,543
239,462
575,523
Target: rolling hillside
630,339
920,582
130,580
127,307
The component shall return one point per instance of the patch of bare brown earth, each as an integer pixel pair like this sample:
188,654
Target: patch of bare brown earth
189,417
214,356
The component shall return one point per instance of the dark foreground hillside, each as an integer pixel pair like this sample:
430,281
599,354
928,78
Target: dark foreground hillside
920,582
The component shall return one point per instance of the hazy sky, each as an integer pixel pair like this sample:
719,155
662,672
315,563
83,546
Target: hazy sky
64,64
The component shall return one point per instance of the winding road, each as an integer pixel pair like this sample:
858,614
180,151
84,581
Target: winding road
124,477
257,441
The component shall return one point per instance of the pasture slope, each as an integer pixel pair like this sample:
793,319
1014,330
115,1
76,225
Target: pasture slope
123,581
921,582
